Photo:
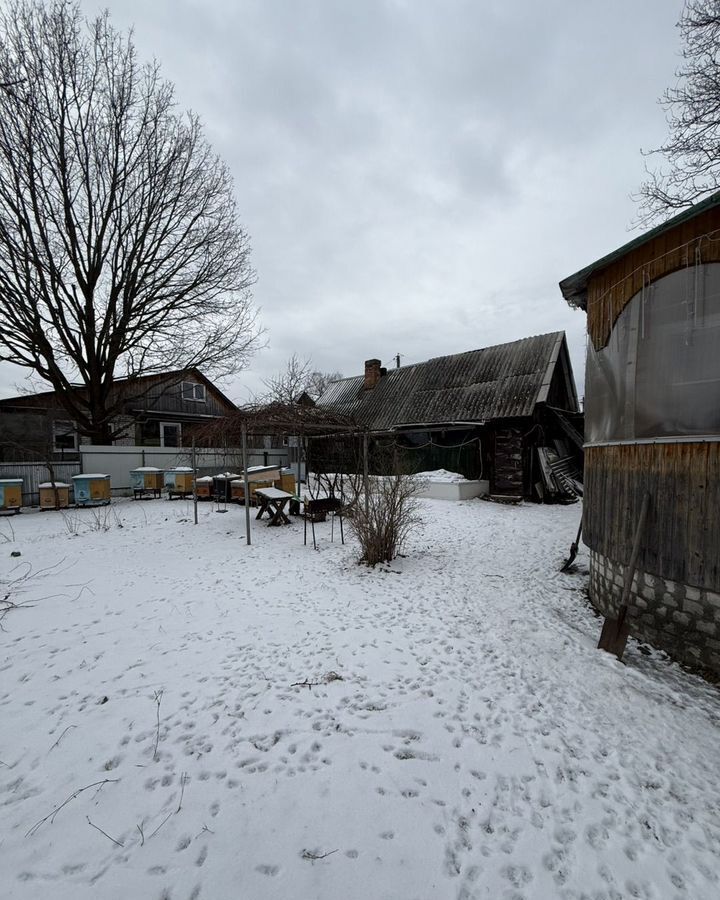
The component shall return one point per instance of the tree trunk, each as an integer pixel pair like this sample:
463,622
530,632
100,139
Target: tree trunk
100,435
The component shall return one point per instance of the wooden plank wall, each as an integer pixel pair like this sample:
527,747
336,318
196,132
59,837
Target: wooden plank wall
507,472
610,290
682,535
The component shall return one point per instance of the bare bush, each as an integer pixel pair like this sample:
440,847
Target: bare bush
385,515
100,518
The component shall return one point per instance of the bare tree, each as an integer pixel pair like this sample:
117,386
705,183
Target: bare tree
318,382
120,247
692,108
297,378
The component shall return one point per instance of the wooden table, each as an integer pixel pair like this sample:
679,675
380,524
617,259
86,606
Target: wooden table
273,501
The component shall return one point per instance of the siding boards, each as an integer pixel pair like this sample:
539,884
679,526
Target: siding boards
507,477
682,534
168,398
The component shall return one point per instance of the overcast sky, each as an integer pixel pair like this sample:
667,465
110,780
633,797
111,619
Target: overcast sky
416,176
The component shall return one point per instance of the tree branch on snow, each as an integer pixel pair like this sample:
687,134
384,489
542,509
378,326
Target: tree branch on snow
97,828
158,699
51,815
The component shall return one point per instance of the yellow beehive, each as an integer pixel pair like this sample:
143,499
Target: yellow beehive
237,487
91,490
184,482
55,496
11,494
154,480
204,488
286,482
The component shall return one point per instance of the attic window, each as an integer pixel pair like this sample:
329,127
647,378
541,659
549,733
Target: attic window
192,391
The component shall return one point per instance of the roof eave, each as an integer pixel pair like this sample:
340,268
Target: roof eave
574,287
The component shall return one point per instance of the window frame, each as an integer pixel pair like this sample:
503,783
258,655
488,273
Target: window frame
177,425
192,387
57,424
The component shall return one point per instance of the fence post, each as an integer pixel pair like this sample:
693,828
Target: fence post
195,473
365,475
247,483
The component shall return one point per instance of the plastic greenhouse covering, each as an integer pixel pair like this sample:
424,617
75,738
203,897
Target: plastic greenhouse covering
659,374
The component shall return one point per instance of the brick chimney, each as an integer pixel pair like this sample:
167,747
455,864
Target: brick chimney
372,374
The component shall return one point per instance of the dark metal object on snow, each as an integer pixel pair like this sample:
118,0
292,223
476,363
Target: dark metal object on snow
614,635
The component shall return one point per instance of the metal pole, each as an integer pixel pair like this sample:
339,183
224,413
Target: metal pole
247,483
299,453
195,474
365,475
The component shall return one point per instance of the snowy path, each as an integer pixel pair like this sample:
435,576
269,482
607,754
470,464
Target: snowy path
475,745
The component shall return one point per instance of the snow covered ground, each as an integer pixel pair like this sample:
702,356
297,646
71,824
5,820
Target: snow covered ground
460,736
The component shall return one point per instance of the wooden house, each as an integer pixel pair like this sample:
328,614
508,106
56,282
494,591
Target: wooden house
482,413
162,410
652,426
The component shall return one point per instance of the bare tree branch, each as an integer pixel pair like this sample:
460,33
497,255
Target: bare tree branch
691,153
297,378
120,247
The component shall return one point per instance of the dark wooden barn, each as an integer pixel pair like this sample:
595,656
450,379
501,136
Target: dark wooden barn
652,426
483,413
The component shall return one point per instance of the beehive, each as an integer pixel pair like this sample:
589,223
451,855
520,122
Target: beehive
146,480
205,487
237,489
11,494
91,489
179,481
286,482
54,496
221,486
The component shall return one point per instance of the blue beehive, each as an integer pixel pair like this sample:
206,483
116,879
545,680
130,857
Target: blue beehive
11,494
91,489
146,481
179,481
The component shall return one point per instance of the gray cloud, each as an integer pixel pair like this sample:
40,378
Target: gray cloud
416,177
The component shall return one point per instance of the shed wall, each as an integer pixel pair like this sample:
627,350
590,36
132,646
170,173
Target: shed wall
681,541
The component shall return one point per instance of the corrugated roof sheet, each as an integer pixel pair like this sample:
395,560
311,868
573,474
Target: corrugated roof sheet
495,383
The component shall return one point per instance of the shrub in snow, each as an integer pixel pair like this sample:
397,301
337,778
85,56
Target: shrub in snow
384,517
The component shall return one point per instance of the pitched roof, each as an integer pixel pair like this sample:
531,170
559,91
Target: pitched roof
574,287
173,375
498,382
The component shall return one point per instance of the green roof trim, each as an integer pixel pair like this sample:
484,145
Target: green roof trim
574,287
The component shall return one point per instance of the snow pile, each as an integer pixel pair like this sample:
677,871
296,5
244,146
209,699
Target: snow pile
184,716
442,476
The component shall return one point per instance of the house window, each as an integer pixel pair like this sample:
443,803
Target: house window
64,435
193,391
170,434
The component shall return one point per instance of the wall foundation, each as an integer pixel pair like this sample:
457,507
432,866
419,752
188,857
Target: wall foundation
681,619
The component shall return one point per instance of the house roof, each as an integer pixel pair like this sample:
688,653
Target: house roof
173,374
574,287
505,381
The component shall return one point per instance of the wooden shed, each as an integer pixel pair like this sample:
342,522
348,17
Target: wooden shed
652,426
489,414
